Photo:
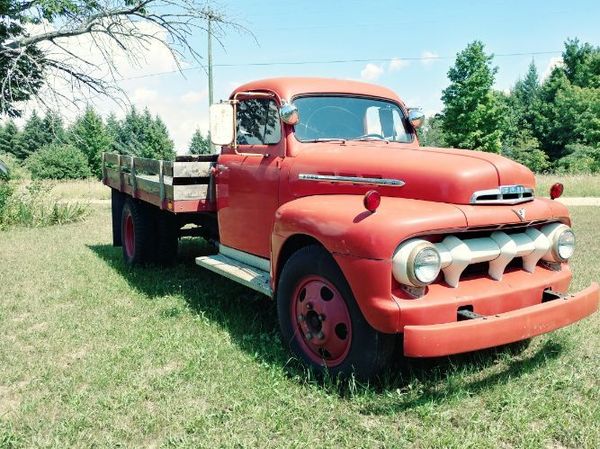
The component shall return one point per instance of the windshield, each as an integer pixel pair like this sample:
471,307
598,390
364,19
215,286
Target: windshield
350,118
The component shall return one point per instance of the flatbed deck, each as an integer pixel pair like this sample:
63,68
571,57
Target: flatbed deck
181,186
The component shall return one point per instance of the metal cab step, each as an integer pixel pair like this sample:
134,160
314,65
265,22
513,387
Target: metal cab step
242,273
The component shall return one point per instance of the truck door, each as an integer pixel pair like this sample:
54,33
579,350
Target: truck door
248,179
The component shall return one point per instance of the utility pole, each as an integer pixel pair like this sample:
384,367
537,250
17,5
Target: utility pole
210,68
210,72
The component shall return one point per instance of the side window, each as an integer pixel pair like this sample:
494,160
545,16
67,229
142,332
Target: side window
258,122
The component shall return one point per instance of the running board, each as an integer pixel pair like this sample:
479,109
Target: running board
252,277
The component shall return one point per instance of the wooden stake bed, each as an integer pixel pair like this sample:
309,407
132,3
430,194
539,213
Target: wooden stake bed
185,185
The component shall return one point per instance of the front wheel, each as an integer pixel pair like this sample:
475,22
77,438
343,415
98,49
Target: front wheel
320,321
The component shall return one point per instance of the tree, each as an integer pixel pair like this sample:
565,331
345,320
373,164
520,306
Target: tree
33,137
58,161
569,108
90,136
472,117
142,135
34,64
10,141
199,144
582,64
525,150
431,134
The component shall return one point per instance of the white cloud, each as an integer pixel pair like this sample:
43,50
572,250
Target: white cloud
371,72
194,96
428,57
143,95
555,61
398,64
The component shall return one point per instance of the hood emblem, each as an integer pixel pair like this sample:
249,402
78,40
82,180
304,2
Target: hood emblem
521,213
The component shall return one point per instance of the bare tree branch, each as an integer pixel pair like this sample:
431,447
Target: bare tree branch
34,63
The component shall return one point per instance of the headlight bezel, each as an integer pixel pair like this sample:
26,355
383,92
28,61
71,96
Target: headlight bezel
404,262
555,232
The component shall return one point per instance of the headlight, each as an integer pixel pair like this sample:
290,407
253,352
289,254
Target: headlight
416,262
565,245
562,242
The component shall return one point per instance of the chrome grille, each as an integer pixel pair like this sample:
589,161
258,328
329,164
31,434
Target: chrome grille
513,194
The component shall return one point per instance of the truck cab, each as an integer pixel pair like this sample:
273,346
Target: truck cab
325,201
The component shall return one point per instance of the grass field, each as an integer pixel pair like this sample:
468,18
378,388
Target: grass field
575,185
93,354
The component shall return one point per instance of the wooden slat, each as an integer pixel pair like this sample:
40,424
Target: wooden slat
187,169
126,161
113,178
148,185
149,166
191,192
111,158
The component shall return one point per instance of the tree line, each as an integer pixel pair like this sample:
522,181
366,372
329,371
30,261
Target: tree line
51,150
548,125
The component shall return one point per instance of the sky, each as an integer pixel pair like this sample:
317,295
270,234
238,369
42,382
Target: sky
393,34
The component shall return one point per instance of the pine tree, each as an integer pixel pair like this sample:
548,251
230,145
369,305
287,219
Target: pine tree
472,117
89,135
33,137
143,135
199,144
10,141
53,127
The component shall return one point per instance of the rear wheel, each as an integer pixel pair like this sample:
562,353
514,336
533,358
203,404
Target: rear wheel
136,233
167,242
321,322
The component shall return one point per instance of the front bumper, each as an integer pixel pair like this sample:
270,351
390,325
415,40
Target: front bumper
434,340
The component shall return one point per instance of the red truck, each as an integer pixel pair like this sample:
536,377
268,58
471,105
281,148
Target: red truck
322,199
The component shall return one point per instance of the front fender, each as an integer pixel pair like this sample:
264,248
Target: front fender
343,226
362,243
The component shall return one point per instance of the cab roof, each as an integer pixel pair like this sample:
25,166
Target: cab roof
289,87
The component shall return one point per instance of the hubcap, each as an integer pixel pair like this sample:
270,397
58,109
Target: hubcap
321,321
129,236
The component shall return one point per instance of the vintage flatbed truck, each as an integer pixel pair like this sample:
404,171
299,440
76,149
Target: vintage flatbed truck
322,199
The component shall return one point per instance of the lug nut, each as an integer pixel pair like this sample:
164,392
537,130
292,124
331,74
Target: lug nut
300,317
309,306
320,335
321,317
309,336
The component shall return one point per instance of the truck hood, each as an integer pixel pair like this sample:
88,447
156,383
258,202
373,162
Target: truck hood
430,174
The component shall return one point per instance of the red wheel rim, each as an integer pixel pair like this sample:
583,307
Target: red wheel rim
321,321
129,236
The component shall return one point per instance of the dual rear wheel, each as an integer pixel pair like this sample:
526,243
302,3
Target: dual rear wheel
148,235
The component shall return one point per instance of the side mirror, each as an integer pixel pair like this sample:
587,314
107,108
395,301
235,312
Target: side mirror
416,118
289,113
222,124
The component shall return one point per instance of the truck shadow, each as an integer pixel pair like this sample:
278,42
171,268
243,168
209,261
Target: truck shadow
251,321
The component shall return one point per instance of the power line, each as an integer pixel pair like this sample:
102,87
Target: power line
334,61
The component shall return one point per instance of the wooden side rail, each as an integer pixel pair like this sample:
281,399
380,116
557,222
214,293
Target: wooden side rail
162,183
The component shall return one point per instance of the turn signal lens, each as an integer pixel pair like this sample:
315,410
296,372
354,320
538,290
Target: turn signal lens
372,200
556,190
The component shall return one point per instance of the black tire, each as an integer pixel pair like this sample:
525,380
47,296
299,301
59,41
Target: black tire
368,351
167,242
137,229
116,202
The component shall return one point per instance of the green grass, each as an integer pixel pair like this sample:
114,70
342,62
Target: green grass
575,185
93,354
